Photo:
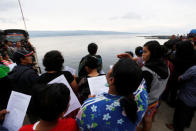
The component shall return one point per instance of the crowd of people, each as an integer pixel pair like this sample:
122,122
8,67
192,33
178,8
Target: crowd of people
137,85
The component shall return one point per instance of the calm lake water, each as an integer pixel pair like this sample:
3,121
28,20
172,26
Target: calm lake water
73,48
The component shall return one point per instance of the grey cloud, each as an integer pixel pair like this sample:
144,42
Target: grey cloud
6,5
132,15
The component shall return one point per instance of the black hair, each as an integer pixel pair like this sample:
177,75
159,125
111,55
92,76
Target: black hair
127,78
130,52
92,48
4,54
91,62
53,61
17,58
139,51
155,49
49,101
5,41
185,55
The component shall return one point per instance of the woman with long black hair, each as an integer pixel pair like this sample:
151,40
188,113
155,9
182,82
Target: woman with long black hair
123,107
156,74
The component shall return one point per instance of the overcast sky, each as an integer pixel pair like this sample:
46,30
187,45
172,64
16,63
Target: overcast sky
161,16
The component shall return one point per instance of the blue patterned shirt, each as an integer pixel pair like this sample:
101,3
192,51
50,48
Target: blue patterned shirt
105,113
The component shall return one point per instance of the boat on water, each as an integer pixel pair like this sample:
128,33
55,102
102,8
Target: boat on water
19,35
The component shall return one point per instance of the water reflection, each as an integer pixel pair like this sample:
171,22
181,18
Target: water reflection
73,48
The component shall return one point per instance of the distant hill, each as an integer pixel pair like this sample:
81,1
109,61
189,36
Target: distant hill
74,33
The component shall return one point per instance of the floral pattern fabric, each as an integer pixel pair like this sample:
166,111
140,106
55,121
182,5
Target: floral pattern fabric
105,113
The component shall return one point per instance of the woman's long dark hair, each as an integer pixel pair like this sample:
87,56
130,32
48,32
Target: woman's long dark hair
155,63
185,56
127,77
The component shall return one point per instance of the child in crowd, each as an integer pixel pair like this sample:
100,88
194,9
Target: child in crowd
91,67
51,103
92,49
138,59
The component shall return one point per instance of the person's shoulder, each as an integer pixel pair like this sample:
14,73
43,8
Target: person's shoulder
67,123
65,72
26,128
67,120
193,68
98,101
98,56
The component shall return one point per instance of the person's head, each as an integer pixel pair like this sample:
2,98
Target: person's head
130,52
18,44
53,61
185,54
152,51
184,49
124,79
9,43
23,57
50,101
5,55
92,48
139,51
91,63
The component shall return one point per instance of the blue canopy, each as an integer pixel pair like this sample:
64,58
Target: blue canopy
193,31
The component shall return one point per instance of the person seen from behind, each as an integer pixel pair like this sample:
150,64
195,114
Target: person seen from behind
92,49
186,100
119,109
51,103
91,67
53,63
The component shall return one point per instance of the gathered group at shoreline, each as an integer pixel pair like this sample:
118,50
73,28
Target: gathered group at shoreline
136,85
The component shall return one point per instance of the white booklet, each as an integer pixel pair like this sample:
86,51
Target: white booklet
71,70
74,102
17,107
98,85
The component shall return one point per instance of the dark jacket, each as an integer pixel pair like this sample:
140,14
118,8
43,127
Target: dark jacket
22,78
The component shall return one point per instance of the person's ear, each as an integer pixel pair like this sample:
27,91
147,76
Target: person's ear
87,69
111,81
22,60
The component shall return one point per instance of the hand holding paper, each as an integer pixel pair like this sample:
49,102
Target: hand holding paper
97,85
17,105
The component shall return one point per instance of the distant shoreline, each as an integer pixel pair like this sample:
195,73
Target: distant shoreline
157,37
86,32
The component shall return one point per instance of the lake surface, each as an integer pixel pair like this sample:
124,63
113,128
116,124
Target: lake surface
73,48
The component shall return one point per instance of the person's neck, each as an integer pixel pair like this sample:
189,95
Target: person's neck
93,73
51,71
112,90
46,125
24,64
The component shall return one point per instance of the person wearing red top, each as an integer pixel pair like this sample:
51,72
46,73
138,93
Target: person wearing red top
67,124
51,102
